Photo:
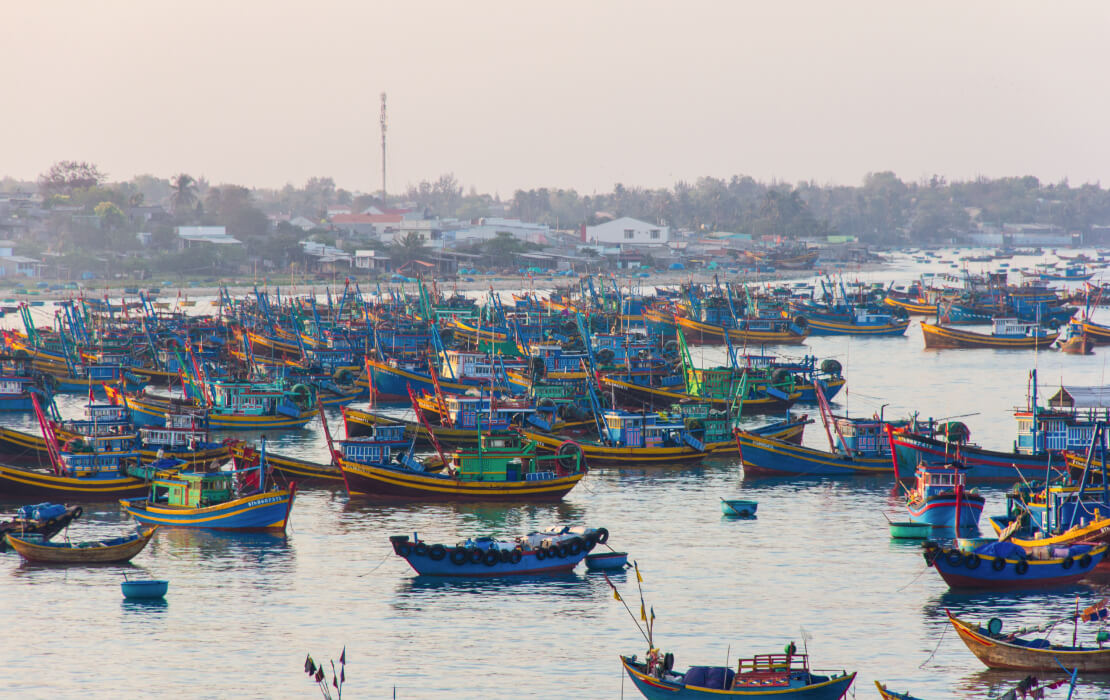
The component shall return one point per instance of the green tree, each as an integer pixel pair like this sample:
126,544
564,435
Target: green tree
183,195
66,176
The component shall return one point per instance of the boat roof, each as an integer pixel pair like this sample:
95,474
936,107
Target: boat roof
1081,397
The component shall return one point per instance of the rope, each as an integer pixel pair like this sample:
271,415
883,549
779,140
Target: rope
376,567
943,632
924,568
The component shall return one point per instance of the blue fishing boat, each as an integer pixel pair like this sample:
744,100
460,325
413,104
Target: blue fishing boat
1003,565
211,500
939,494
859,446
549,551
781,676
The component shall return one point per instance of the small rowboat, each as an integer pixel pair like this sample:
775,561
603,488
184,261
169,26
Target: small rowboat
144,590
738,508
114,550
606,561
910,531
1011,651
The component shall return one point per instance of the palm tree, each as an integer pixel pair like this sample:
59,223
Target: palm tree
184,195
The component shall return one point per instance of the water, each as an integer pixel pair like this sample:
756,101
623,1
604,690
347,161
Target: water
243,610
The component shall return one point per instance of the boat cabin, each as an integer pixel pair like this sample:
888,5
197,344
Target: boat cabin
379,449
94,464
193,489
1014,328
937,479
644,430
863,436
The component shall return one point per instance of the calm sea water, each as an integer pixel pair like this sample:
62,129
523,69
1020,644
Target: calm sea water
818,564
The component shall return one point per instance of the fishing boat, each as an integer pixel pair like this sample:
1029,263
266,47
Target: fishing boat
1006,334
939,498
1002,565
229,405
1030,687
633,440
551,550
913,306
502,467
42,519
109,551
738,508
748,331
1044,435
210,500
1097,333
868,323
1075,340
763,676
1016,652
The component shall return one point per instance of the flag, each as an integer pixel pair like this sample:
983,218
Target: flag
342,676
643,613
616,595
638,576
1098,611
92,399
653,613
343,656
309,666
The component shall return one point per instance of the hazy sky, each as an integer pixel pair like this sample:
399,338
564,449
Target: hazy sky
570,94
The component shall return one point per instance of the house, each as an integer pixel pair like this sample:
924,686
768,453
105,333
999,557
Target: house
371,260
627,231
146,213
379,226
489,227
17,265
191,236
303,223
326,257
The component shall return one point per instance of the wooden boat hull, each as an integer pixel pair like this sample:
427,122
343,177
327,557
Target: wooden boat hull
825,327
530,563
391,383
659,396
20,448
699,333
109,554
982,465
261,511
832,387
288,468
366,481
31,484
913,307
152,413
762,455
953,567
940,511
1003,654
605,456
886,694
654,689
943,337
1096,332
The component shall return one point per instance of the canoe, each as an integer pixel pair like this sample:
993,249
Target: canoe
1006,651
738,508
114,550
910,531
144,590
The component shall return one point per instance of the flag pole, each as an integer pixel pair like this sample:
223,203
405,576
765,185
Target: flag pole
617,595
643,612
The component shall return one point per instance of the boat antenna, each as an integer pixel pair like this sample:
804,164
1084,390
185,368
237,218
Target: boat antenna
806,636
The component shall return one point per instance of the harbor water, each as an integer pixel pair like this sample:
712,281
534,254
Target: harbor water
816,567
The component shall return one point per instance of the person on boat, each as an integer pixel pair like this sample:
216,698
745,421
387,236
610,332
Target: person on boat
790,650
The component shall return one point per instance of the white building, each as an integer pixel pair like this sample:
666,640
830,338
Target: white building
190,236
628,231
489,227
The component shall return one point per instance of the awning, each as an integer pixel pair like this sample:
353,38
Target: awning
1081,397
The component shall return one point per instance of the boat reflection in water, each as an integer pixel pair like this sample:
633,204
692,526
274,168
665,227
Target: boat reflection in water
244,548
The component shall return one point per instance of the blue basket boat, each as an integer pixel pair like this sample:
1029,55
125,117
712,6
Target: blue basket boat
144,590
606,561
737,508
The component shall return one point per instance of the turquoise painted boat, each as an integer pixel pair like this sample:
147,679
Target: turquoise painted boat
207,500
738,508
781,676
910,531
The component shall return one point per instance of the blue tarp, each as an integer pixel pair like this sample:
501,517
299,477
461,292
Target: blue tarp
1006,550
677,266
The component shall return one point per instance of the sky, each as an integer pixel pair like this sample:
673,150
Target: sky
517,95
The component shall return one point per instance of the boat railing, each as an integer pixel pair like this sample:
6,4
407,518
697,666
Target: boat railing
773,663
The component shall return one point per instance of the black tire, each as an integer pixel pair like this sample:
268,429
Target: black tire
437,552
571,457
403,548
575,546
1021,567
973,561
540,554
77,512
492,557
998,564
563,551
474,555
420,549
954,557
1068,562
591,542
1085,561
515,557
602,535
459,556
506,556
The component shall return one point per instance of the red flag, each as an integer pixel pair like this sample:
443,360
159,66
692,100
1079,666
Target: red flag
343,656
91,397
